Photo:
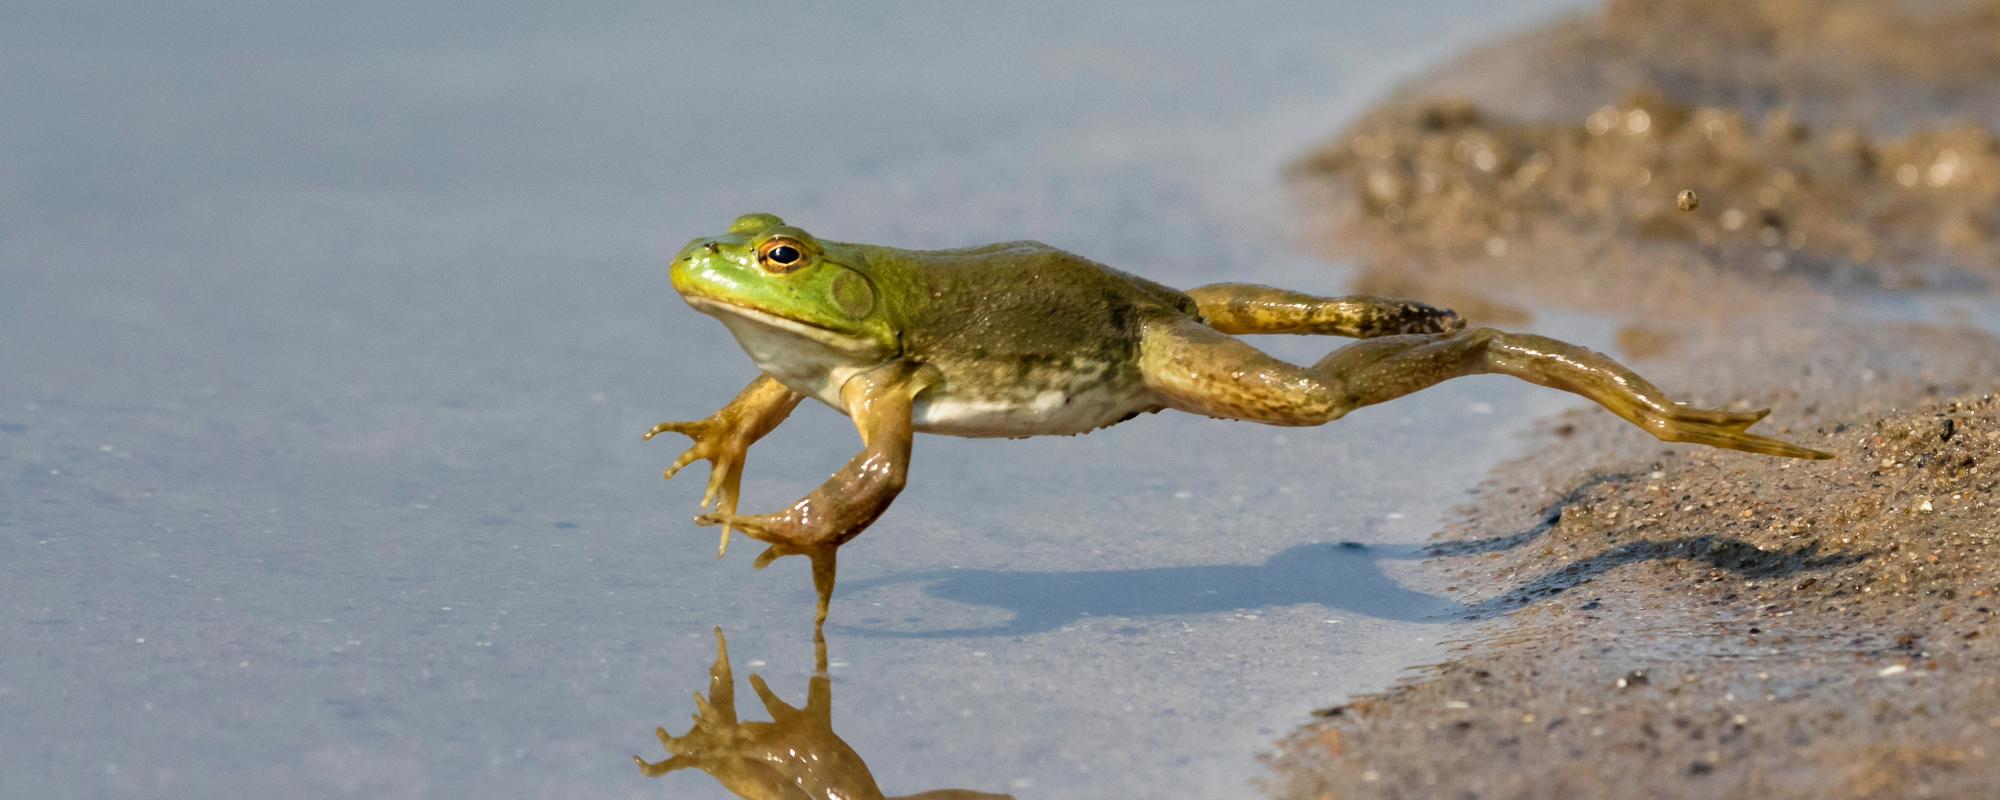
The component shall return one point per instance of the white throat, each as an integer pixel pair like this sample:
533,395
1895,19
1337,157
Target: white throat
810,360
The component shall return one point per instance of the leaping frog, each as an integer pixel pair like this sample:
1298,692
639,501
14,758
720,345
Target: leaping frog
1023,339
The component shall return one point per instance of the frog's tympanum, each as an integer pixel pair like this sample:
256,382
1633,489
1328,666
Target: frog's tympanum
1023,339
795,755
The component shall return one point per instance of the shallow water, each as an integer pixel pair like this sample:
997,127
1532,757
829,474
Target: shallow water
327,339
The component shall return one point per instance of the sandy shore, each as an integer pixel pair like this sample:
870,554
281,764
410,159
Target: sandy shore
1669,621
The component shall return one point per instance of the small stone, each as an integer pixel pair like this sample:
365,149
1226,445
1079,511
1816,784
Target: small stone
1687,200
1892,669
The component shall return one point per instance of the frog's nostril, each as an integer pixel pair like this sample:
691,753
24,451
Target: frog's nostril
713,247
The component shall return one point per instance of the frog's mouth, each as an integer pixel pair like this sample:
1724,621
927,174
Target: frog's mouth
734,315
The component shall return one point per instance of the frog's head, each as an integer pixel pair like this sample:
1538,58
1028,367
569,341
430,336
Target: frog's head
777,284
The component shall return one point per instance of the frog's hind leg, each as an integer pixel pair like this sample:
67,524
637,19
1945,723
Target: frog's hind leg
1196,368
1249,308
1383,369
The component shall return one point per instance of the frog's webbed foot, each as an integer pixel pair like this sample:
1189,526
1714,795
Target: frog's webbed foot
716,442
1733,420
1725,429
725,437
789,539
723,447
1586,372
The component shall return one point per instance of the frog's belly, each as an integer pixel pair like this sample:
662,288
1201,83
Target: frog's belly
1049,412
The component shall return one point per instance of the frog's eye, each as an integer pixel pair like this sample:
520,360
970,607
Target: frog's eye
781,255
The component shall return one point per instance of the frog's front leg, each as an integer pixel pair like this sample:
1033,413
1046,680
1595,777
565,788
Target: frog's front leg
880,402
726,436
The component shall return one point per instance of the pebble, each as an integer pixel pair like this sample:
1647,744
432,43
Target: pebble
1687,200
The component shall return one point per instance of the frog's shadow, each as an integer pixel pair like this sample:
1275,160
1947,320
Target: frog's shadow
1345,576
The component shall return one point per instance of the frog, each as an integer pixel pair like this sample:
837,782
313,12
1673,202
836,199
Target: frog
1018,339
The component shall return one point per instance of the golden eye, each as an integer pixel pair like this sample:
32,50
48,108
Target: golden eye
781,255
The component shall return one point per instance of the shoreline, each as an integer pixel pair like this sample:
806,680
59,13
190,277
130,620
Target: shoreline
1668,620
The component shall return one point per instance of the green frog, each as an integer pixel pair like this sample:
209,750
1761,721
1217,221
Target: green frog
1023,339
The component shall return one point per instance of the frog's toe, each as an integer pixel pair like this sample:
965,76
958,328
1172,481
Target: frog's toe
715,518
775,552
662,767
1736,420
753,526
725,478
768,528
687,428
1449,321
689,457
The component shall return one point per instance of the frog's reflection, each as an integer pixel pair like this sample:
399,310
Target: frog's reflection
795,756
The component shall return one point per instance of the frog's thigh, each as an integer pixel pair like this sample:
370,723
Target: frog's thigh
1249,308
1195,368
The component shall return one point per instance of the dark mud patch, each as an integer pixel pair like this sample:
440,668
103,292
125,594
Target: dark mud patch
1673,621
1584,213
1890,66
1803,196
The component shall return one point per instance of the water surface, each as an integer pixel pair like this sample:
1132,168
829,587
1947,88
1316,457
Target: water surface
328,334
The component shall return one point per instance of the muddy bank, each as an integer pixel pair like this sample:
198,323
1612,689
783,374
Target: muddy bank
1585,213
1890,66
1674,621
1806,190
1683,622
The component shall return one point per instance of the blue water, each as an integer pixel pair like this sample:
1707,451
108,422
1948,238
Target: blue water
327,335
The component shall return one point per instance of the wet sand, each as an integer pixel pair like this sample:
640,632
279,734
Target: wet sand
1695,622
1671,621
